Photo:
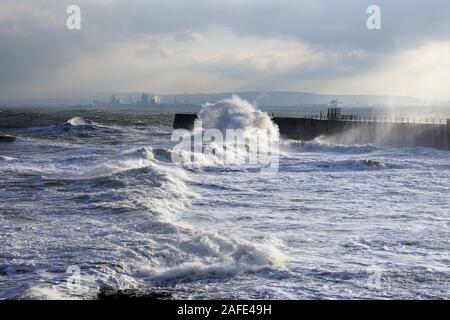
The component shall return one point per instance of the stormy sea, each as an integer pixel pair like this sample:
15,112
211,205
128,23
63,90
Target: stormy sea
91,205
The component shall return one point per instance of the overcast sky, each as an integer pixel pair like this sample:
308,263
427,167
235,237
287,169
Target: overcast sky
235,45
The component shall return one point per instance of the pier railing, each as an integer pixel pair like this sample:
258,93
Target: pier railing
359,118
424,132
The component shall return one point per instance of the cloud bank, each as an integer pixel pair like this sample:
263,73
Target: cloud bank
207,46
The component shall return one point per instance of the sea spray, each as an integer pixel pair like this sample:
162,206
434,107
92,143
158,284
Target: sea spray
236,113
229,132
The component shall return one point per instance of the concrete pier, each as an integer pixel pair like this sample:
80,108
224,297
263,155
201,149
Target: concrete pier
184,121
347,132
448,134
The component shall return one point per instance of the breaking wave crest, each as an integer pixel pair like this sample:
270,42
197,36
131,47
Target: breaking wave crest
236,113
77,121
76,126
214,256
317,145
230,132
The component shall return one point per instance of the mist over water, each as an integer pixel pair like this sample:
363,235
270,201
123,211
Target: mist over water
106,197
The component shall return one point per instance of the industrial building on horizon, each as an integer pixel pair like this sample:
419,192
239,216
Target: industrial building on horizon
144,101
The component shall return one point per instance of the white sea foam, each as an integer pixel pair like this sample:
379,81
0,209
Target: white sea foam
318,145
217,257
2,158
81,168
77,121
45,293
236,113
230,132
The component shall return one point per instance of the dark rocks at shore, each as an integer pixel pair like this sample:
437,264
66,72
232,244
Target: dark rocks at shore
7,138
111,293
373,163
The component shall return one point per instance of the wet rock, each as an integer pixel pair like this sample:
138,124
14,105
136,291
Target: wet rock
373,163
111,293
7,138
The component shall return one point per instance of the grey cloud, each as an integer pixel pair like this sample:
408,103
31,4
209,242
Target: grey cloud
323,24
319,22
253,79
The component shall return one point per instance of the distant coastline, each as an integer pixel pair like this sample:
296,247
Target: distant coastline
261,98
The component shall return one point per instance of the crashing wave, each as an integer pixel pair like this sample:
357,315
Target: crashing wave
236,113
229,132
217,257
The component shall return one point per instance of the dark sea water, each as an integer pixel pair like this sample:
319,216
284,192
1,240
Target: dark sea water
96,192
